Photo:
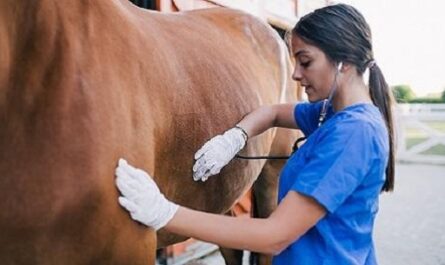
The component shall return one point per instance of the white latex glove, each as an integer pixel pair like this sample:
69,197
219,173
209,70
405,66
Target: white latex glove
142,198
217,152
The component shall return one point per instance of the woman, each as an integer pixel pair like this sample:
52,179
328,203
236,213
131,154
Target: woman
328,191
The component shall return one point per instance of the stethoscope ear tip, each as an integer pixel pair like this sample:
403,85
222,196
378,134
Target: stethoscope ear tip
339,66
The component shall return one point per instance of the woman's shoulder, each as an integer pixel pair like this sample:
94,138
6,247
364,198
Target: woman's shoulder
361,115
364,120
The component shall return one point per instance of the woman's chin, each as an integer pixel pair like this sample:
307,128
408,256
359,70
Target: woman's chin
312,98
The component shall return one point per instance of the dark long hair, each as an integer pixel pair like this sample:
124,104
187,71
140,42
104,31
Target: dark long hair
342,33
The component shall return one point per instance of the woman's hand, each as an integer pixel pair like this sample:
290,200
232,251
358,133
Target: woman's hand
142,198
217,152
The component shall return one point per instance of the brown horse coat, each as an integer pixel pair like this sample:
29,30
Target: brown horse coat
83,83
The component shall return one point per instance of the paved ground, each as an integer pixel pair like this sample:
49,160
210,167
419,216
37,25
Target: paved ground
410,227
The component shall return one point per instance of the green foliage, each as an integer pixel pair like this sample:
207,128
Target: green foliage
427,100
403,93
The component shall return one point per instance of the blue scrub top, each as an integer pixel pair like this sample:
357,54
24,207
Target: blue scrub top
342,166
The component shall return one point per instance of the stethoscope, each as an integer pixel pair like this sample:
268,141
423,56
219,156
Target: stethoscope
327,102
321,120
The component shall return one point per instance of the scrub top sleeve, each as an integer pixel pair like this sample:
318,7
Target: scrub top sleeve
337,165
306,115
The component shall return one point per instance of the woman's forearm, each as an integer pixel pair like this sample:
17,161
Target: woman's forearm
265,117
258,121
251,234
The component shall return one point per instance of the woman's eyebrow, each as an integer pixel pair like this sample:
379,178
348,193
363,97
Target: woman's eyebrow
300,52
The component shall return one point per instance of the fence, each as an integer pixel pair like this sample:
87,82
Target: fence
421,133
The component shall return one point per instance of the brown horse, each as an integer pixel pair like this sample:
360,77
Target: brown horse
83,83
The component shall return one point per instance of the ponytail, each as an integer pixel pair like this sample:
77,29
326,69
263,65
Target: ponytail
383,98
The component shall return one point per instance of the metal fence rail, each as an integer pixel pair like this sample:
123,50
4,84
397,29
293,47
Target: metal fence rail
420,128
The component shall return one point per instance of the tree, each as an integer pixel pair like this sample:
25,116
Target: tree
403,93
443,95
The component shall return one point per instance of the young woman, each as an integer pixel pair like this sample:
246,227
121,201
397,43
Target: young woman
328,192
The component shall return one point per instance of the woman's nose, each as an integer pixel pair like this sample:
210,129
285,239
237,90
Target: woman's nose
296,75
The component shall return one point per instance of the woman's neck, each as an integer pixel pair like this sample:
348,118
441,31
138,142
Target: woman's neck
352,90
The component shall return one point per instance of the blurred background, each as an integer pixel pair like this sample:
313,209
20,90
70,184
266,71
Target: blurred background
409,47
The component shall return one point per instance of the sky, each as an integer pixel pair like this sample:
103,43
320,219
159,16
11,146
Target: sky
409,41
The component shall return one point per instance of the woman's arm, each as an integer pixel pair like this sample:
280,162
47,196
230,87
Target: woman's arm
294,216
141,197
265,117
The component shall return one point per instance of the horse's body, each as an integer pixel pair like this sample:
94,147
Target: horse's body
83,83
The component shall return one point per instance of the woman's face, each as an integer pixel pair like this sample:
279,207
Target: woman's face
312,69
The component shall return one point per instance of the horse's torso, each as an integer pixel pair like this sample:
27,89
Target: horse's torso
86,83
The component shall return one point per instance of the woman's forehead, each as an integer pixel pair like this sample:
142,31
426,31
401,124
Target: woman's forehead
300,47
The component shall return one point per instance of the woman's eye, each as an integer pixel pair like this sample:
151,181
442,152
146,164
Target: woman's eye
305,64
